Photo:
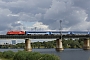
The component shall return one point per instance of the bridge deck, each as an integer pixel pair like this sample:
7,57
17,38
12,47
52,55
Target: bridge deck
41,36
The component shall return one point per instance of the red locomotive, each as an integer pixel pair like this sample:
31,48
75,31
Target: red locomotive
15,33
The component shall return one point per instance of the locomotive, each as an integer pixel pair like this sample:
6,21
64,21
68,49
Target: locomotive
16,33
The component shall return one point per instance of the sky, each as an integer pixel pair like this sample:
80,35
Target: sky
44,15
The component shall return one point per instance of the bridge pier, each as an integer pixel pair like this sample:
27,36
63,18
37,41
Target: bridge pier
59,46
86,45
28,45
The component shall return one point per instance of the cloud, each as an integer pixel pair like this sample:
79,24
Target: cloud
37,26
84,5
40,25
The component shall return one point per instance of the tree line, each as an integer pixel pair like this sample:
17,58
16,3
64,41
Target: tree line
67,43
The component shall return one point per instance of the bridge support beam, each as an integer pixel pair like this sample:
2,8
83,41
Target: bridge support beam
59,46
86,45
28,45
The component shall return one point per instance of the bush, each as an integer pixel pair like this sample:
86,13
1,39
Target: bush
49,57
22,55
8,54
33,56
0,54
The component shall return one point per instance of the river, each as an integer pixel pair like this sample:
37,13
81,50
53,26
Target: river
67,54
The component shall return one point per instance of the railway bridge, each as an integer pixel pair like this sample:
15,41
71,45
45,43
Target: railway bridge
59,47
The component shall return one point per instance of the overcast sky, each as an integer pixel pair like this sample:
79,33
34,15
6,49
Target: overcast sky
44,14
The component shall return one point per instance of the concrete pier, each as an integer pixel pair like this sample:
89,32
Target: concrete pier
28,45
59,46
86,45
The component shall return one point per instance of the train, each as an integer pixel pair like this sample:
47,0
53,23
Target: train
47,32
27,32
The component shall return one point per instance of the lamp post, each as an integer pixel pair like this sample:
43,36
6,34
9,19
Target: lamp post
35,29
60,30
